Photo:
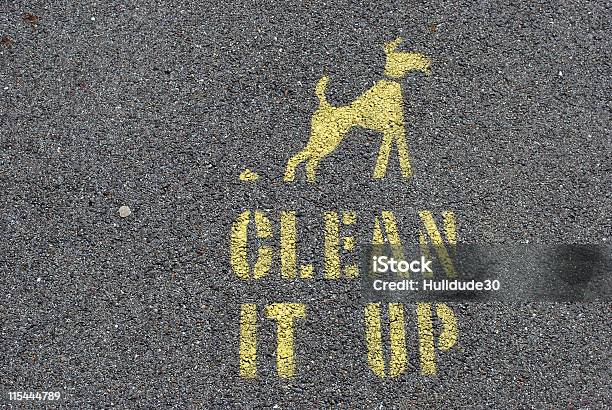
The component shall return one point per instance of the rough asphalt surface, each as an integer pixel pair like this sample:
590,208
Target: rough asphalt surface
159,107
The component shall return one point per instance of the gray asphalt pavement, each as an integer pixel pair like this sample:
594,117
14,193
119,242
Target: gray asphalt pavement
160,106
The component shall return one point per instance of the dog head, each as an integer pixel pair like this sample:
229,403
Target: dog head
400,63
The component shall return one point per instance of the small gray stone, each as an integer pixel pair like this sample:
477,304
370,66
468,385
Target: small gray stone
125,211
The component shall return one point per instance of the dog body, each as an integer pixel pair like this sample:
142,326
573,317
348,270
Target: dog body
380,109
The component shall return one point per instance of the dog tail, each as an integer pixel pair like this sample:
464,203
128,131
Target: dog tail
320,90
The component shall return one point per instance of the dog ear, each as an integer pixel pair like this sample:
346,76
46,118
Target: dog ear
392,45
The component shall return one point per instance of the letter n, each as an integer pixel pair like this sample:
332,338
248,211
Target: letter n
432,235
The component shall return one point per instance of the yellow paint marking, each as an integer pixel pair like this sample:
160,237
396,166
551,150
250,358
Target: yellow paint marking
239,242
263,228
332,253
381,108
373,336
351,271
248,176
436,239
349,243
398,63
349,217
285,315
423,244
288,253
447,339
332,245
238,245
248,341
450,227
262,225
393,237
306,271
399,357
426,342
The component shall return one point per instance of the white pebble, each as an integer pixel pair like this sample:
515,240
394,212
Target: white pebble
125,211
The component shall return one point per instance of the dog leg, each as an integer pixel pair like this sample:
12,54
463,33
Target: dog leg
397,134
380,168
293,162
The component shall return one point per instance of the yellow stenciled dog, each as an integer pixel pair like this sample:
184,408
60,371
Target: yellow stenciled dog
380,109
